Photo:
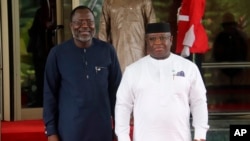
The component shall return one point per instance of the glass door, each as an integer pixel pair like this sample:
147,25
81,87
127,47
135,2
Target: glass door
42,24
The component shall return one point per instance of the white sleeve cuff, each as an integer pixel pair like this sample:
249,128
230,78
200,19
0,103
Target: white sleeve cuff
124,138
200,133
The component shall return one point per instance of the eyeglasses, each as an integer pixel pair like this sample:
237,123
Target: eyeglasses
82,22
161,38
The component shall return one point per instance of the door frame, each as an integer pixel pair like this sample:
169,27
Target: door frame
5,61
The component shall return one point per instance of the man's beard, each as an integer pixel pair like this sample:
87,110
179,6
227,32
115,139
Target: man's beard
83,38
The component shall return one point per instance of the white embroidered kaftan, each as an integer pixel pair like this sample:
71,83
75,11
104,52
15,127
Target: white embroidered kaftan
161,94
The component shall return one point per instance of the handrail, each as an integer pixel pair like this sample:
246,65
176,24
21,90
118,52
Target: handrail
229,114
226,65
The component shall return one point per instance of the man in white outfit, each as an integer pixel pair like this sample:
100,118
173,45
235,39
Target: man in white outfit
163,90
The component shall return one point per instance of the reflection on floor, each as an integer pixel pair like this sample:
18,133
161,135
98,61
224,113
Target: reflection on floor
228,99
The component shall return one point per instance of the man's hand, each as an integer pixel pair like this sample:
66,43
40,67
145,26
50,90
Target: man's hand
53,138
185,51
199,140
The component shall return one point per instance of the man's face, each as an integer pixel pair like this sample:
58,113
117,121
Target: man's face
159,44
83,25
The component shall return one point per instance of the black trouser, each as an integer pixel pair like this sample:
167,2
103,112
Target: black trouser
197,59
